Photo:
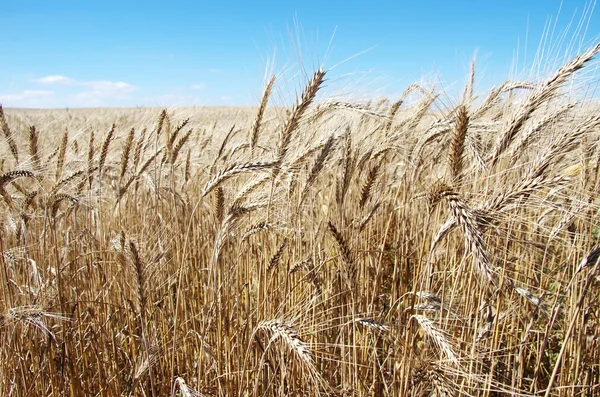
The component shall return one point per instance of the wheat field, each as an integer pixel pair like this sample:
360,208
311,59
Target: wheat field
390,248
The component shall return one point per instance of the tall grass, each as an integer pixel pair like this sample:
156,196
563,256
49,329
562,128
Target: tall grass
334,249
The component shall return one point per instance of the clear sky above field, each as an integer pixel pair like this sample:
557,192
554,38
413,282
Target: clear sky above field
126,53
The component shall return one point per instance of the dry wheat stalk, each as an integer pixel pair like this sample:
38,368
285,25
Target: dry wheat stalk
372,323
349,165
179,146
494,96
274,261
347,255
172,137
90,159
434,132
185,390
542,93
317,167
13,175
533,132
57,199
367,189
457,145
104,152
412,122
233,170
33,315
302,158
255,129
467,96
231,133
367,218
328,105
219,204
59,184
62,151
135,177
279,330
438,337
512,197
8,135
34,150
163,116
259,227
139,147
469,223
297,112
250,187
392,114
125,153
188,166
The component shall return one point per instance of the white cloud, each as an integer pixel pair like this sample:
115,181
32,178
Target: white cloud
108,86
91,92
200,86
96,85
57,78
28,98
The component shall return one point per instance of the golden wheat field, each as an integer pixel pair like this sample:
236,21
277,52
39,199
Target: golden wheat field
327,248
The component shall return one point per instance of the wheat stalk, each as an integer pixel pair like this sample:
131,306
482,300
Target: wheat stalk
34,150
543,93
297,112
233,170
467,220
437,336
8,134
280,330
125,153
62,151
317,167
455,155
255,129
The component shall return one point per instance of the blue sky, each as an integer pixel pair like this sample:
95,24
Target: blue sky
129,53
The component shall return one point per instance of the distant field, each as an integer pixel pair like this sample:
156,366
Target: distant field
402,247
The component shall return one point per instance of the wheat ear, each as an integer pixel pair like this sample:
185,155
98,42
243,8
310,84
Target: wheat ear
457,145
317,166
8,134
104,152
279,330
62,151
34,150
344,250
367,188
437,336
125,153
297,112
541,94
469,223
255,130
231,171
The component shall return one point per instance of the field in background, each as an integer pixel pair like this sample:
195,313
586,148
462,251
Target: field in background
328,248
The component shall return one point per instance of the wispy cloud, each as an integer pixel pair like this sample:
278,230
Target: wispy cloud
53,79
28,98
111,86
96,85
199,86
91,92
